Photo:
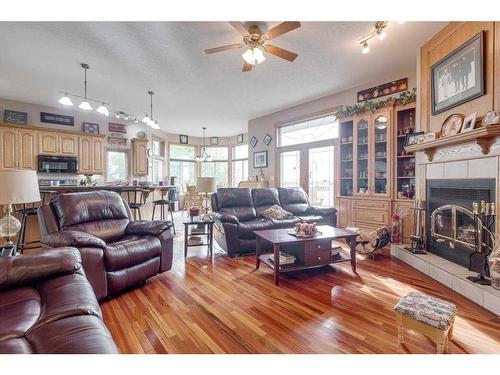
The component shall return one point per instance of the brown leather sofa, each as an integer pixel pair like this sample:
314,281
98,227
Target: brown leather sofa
48,306
237,214
116,252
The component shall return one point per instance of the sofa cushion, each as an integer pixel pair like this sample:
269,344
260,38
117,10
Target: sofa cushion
246,228
276,213
236,202
83,334
285,223
130,251
264,198
101,213
293,200
19,309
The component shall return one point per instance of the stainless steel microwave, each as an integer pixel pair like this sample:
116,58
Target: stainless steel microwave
57,164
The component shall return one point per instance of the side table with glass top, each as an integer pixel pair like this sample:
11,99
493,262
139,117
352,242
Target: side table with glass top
203,229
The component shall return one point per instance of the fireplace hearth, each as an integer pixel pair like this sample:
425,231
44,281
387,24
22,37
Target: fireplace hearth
451,231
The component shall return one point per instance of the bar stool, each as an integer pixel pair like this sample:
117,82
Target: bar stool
136,198
167,199
27,210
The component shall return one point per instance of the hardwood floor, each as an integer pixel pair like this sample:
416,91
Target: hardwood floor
225,306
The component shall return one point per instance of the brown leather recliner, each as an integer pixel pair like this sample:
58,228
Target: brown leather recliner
116,251
48,306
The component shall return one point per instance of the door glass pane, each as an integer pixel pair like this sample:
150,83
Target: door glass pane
321,172
381,126
362,156
290,169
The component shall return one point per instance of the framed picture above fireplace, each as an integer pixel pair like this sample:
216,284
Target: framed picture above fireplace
459,76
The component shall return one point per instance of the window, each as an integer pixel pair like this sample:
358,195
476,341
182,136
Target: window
182,164
218,166
290,169
117,166
239,164
313,130
158,151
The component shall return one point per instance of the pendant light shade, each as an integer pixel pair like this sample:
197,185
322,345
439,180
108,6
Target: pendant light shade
102,109
65,100
254,56
85,105
145,119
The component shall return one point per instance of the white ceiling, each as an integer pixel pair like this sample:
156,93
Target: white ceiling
194,89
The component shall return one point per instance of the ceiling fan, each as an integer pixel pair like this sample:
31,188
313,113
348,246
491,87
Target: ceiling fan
256,41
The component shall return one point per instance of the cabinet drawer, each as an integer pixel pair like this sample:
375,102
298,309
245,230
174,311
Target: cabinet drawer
317,257
318,245
371,216
373,205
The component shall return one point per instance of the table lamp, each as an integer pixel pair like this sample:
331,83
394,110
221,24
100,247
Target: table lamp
16,187
206,185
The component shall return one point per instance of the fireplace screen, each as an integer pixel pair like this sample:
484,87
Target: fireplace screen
454,224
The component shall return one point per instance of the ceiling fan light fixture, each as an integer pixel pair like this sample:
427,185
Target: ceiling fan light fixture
65,100
248,56
258,55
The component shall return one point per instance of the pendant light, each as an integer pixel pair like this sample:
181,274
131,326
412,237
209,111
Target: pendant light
151,122
85,105
203,156
102,109
65,100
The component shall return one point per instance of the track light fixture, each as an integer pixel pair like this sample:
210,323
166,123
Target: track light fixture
378,30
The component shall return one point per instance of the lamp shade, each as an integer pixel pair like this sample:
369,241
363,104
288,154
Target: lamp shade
205,185
18,186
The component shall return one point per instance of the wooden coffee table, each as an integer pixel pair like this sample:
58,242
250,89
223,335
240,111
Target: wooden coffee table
311,252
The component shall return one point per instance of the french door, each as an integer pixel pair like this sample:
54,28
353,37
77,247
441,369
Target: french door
311,167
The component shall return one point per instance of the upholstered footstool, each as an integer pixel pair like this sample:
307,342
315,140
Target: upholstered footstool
430,316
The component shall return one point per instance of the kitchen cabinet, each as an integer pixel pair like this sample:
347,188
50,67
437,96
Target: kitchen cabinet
139,157
18,149
91,151
48,143
68,145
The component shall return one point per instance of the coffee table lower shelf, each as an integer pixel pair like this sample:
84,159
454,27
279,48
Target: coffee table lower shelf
268,259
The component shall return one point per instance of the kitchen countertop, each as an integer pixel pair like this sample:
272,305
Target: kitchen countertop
99,187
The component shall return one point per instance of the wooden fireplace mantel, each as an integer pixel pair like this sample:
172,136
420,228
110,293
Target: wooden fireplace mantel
483,136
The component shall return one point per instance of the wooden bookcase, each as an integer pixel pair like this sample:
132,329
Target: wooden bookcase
370,172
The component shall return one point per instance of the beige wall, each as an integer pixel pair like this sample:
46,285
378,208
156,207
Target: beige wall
261,126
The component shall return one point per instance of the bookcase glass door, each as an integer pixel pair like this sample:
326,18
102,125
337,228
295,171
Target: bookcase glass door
346,158
362,143
380,142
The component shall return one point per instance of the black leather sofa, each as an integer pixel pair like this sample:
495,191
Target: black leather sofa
237,214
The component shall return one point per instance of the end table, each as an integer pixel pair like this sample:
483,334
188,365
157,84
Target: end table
208,232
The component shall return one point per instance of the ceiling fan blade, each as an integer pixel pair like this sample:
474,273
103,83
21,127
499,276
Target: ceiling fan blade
223,48
247,67
240,28
281,29
280,52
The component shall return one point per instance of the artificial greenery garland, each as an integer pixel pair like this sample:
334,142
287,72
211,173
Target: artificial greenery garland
405,97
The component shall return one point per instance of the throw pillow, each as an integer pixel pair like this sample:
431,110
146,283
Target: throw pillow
276,212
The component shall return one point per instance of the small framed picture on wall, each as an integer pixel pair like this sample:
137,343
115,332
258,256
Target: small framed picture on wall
253,142
260,159
90,127
183,139
267,140
214,141
239,138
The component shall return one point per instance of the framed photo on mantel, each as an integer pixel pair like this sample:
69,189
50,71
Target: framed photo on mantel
459,76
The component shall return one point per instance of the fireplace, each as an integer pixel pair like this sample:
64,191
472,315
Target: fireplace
451,233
